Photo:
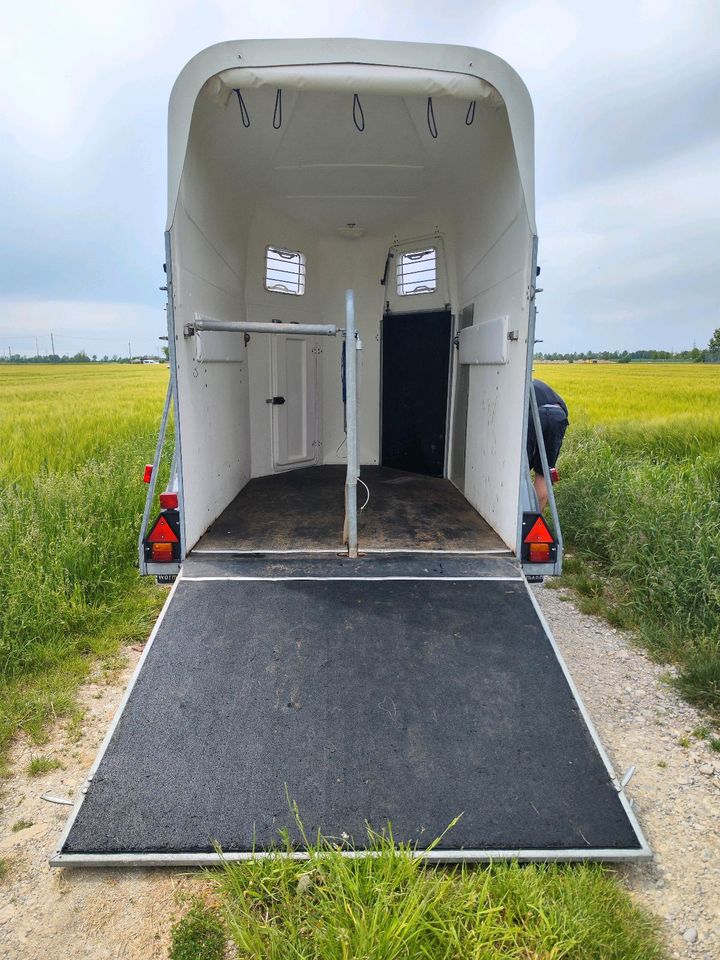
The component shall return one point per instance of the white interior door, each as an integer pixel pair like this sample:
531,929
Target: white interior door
295,400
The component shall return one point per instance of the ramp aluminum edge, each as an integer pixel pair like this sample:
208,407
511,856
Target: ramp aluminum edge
322,607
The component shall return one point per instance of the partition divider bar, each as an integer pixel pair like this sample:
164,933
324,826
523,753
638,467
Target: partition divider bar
247,326
353,469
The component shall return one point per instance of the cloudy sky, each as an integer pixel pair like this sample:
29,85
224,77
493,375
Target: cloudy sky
627,104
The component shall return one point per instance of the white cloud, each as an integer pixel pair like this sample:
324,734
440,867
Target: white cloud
631,259
624,99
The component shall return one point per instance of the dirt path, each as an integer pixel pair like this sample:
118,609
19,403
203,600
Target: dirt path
676,788
48,914
126,915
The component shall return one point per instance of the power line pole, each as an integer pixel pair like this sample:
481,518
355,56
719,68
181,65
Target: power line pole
52,341
129,352
37,347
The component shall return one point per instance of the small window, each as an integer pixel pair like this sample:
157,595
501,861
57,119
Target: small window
417,272
285,271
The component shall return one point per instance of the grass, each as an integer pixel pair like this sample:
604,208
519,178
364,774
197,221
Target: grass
639,502
71,499
20,825
40,765
200,935
395,906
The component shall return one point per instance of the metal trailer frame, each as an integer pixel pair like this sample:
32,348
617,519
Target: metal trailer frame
610,855
527,501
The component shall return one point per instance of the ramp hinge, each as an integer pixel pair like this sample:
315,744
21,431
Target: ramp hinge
629,773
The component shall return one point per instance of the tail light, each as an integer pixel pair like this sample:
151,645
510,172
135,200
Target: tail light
162,544
538,544
161,552
147,475
539,552
168,501
554,475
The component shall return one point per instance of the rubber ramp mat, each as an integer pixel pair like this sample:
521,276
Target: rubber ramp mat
365,702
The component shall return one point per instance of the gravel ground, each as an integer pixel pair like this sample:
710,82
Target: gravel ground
675,789
126,915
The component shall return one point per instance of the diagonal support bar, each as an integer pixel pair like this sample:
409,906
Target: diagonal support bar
153,477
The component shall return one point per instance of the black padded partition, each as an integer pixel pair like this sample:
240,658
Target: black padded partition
415,367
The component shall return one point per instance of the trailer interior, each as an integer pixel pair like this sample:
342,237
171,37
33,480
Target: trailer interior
409,195
387,187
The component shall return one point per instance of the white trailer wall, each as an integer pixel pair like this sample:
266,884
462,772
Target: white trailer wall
208,239
494,268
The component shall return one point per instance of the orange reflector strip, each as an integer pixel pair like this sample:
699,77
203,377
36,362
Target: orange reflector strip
539,533
161,552
162,533
539,552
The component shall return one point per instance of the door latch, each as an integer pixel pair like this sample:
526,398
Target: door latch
275,400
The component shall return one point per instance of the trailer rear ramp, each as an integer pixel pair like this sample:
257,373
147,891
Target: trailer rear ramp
404,688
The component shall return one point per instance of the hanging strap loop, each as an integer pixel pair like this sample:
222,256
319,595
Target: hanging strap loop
277,116
244,115
358,115
432,126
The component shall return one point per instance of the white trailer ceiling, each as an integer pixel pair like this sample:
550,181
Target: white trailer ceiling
319,170
448,73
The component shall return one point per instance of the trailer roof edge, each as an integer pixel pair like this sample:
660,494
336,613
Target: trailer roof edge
442,58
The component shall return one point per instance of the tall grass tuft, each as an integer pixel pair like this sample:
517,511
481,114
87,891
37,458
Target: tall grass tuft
393,905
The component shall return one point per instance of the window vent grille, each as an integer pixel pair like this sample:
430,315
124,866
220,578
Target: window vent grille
417,272
285,271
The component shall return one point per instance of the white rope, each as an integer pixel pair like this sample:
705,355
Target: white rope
368,493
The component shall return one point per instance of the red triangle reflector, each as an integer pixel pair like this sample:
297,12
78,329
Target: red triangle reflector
162,533
539,533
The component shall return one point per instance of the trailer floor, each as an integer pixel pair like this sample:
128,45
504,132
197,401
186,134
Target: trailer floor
305,510
368,700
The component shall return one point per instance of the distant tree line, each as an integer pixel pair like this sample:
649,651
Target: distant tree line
79,357
624,356
711,354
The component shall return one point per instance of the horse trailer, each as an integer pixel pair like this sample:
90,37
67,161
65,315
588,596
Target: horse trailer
350,523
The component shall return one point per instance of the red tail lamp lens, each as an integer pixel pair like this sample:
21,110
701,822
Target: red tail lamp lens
161,552
168,501
147,476
539,533
162,532
539,552
554,475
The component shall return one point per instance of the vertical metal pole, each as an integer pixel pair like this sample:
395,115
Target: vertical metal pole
353,469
